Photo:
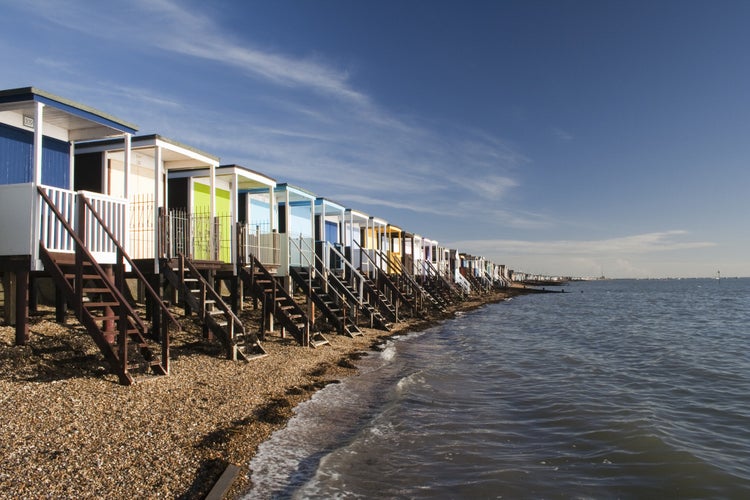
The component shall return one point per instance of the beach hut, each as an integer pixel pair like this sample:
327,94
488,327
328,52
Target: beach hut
169,211
245,212
257,212
182,220
296,216
52,227
374,241
355,229
394,242
329,233
38,131
322,278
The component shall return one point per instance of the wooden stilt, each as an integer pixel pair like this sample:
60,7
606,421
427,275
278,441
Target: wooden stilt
164,339
9,288
22,307
155,310
240,287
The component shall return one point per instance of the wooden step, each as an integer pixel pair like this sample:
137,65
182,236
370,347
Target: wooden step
138,366
88,305
71,276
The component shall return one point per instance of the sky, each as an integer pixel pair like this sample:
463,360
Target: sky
566,137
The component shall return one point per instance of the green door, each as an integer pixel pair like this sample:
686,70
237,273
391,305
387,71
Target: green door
202,234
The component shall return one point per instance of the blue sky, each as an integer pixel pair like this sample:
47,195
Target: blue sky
560,137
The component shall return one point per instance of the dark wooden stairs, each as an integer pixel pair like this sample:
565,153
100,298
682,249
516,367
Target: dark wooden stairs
211,310
279,303
106,314
334,307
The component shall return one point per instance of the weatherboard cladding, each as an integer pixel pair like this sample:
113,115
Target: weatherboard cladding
17,158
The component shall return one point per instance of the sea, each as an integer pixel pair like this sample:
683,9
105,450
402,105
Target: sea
613,389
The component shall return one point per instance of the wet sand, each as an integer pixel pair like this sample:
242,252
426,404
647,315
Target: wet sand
69,430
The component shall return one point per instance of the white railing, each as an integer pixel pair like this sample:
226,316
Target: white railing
113,212
262,244
29,221
142,233
52,234
462,282
301,252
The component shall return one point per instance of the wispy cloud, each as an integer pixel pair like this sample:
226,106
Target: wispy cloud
178,28
54,64
379,202
561,135
325,134
635,244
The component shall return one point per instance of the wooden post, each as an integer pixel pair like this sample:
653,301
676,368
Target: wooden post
207,333
22,307
9,289
109,325
240,293
155,309
165,342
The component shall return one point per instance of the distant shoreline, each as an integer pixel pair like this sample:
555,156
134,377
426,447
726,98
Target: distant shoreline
73,431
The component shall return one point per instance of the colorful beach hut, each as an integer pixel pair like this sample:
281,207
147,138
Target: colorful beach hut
168,211
54,227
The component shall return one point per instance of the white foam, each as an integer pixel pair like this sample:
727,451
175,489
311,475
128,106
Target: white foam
415,379
389,352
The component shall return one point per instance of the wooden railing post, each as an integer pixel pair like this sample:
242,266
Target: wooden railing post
164,338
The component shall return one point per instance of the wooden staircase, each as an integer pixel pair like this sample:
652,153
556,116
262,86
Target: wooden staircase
476,285
99,300
333,306
444,287
279,303
110,320
377,319
211,310
388,310
433,287
388,285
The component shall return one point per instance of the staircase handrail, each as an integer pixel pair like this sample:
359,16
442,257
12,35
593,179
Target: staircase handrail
354,271
210,291
489,280
363,250
461,280
402,272
433,270
379,271
81,247
326,272
123,254
326,275
257,266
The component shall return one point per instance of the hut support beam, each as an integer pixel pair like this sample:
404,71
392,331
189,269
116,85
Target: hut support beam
22,306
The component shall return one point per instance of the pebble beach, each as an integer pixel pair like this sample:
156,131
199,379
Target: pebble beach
69,430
